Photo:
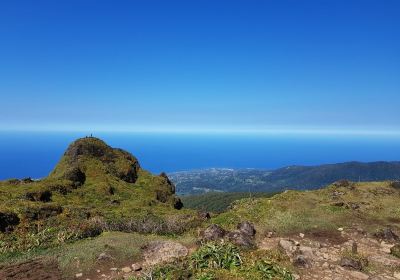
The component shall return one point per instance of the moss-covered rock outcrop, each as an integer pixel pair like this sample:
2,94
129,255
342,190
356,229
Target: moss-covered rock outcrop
93,188
91,156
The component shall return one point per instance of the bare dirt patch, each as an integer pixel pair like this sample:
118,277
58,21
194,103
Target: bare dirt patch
325,236
38,269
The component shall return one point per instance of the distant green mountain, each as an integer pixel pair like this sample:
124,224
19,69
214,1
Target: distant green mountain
291,177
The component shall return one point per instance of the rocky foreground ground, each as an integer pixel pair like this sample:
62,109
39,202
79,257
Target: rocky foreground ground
349,254
324,257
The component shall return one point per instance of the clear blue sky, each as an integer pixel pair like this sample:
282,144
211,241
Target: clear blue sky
206,64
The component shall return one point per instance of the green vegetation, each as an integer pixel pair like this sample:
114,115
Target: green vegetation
319,212
81,256
217,202
216,255
98,201
223,261
94,188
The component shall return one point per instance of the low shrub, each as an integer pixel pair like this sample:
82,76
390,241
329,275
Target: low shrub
270,270
216,255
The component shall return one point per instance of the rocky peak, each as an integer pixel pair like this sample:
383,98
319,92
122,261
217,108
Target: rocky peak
88,146
90,157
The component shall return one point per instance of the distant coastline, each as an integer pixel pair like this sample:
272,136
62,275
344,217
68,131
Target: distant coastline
289,177
34,154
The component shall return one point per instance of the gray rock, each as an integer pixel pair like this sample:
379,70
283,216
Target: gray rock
204,215
287,246
213,232
301,261
104,257
307,252
247,228
241,239
351,263
163,252
387,234
136,267
126,269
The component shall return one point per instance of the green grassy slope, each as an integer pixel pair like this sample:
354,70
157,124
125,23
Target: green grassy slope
373,205
93,188
217,202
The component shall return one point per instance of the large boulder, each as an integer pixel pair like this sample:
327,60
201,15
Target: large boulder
240,239
301,256
351,263
387,234
212,233
243,236
163,252
247,228
287,247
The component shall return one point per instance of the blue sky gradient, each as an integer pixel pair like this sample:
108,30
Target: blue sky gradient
326,65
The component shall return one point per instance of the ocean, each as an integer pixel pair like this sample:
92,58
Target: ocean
35,154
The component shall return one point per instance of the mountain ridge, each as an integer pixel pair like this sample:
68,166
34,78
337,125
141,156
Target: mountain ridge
298,177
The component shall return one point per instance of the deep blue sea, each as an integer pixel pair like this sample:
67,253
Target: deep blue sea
34,154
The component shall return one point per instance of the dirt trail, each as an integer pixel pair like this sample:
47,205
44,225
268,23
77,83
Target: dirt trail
39,269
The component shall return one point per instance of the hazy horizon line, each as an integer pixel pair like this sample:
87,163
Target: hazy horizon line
272,130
